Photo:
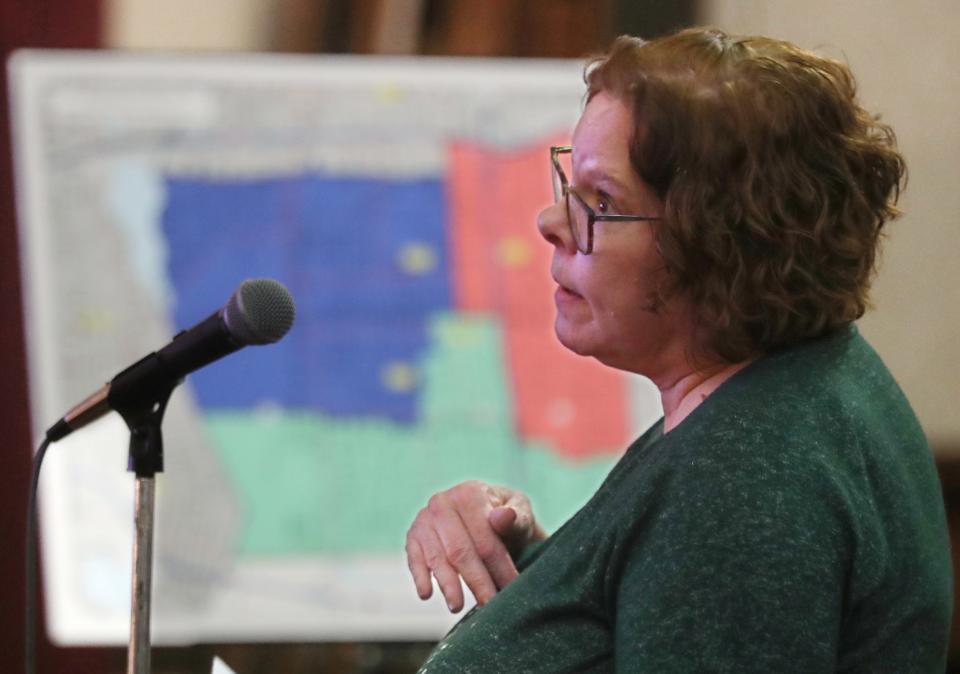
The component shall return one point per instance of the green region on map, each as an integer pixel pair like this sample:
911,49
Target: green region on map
301,477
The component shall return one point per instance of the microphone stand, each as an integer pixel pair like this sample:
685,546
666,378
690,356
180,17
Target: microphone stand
145,460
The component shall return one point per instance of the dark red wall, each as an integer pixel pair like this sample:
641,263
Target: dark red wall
28,23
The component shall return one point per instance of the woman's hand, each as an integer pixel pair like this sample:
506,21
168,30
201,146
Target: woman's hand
470,531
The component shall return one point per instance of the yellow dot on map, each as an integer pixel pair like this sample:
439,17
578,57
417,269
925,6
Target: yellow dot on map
268,412
513,252
389,93
399,377
459,334
417,258
94,320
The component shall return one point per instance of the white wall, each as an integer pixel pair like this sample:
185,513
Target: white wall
905,56
217,25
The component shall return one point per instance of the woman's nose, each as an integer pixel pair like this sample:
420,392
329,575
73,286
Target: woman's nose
554,228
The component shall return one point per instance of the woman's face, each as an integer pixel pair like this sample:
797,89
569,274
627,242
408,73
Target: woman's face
606,305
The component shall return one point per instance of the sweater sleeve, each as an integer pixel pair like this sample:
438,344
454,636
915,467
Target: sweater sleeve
740,567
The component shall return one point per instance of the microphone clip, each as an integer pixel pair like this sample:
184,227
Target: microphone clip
140,395
145,458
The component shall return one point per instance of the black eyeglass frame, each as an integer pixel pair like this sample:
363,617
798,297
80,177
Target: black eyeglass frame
564,192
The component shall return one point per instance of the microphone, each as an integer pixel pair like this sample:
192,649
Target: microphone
260,311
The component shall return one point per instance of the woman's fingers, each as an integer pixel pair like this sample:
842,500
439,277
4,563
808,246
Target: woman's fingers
513,519
463,552
502,520
474,501
418,567
447,577
464,532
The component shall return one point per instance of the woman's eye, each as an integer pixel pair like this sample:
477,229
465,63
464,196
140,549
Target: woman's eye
603,204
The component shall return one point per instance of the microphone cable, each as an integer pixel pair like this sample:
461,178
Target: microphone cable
30,554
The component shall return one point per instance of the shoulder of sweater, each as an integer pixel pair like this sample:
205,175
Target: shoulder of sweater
789,419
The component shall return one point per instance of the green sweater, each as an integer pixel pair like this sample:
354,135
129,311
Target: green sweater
792,523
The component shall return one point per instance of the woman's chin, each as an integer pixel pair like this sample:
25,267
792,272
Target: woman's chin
572,338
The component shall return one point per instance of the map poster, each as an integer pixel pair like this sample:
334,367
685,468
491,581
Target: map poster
397,200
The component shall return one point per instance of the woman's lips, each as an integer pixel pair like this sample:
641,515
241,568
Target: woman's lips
564,294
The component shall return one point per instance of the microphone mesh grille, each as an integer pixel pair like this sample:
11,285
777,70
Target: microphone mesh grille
260,311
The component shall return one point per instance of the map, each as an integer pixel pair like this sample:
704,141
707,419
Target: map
397,200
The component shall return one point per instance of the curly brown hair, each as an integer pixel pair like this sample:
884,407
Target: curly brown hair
776,183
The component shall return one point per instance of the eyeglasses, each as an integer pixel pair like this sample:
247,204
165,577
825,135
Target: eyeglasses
581,219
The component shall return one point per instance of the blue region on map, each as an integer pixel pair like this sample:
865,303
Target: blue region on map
365,260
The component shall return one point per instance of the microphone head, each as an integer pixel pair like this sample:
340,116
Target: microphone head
260,311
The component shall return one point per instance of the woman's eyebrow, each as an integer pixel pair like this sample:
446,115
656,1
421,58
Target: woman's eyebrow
600,178
612,185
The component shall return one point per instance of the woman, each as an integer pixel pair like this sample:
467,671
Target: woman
785,514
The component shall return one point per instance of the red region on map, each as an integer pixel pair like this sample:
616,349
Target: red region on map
502,266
